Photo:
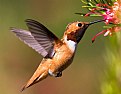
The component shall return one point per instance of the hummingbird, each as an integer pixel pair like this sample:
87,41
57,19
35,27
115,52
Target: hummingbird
57,53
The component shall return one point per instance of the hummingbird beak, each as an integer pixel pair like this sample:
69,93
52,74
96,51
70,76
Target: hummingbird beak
90,23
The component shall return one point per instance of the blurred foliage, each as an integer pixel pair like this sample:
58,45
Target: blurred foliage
112,79
18,62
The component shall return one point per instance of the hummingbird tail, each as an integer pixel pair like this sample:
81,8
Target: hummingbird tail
40,74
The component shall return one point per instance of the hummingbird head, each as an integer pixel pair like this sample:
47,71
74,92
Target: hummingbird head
76,30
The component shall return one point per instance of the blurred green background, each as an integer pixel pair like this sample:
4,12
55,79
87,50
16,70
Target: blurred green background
18,62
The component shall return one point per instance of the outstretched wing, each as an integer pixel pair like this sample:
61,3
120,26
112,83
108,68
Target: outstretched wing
38,37
29,40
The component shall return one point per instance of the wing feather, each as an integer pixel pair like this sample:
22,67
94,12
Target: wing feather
28,39
38,37
44,37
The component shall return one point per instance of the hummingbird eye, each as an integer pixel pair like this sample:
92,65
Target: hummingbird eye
79,24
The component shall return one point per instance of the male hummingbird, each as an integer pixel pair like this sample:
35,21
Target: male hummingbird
57,54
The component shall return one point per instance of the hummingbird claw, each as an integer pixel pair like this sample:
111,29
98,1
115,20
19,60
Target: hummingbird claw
59,74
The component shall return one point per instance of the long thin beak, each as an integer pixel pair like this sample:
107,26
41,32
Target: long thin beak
90,23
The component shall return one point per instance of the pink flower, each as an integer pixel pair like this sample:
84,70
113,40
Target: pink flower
107,32
111,15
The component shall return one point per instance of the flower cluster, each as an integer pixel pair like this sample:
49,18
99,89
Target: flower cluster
110,11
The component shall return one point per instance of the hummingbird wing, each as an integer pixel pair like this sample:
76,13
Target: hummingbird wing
43,36
28,39
39,38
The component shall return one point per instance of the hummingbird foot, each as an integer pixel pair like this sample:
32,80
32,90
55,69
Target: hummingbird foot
59,74
56,74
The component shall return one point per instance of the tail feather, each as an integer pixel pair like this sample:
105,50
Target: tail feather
40,74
